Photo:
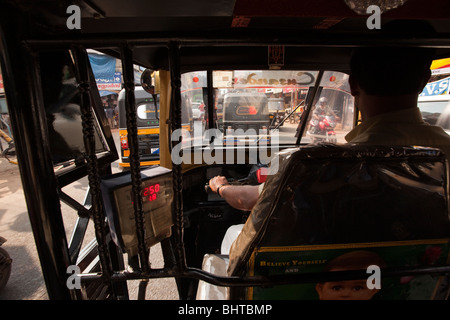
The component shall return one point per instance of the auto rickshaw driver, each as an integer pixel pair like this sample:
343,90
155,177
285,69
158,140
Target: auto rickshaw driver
389,117
322,109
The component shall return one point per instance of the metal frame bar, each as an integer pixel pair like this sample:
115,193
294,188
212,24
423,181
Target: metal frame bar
82,63
128,74
175,76
308,107
234,281
235,38
20,69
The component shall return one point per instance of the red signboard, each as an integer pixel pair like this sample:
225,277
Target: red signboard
2,89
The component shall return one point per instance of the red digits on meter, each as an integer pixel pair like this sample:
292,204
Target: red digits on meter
150,192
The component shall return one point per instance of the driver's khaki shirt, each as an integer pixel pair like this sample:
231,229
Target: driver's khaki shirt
406,128
403,127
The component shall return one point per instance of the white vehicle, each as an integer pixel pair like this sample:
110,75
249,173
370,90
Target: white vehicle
436,110
197,113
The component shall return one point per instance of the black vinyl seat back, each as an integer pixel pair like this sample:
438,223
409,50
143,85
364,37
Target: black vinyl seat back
348,194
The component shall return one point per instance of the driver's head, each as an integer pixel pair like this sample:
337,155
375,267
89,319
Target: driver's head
389,71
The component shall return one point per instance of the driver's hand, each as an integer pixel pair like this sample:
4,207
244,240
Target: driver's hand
215,182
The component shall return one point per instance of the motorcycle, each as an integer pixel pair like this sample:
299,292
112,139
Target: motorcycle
5,265
322,130
276,119
294,118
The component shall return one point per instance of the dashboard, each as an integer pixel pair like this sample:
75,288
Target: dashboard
206,215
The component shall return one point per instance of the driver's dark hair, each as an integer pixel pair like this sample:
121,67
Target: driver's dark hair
388,71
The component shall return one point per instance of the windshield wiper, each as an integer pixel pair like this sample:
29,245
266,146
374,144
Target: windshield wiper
283,120
287,117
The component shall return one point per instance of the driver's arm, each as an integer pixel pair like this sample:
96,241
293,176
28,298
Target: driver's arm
333,113
242,197
315,114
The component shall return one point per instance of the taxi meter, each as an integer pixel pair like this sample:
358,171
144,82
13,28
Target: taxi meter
157,199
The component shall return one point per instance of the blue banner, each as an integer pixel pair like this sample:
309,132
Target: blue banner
436,88
104,67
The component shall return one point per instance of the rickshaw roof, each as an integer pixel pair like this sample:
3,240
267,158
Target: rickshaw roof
209,31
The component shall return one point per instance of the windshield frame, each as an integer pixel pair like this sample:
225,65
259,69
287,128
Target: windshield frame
249,81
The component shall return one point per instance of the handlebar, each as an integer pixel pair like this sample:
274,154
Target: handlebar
256,176
230,181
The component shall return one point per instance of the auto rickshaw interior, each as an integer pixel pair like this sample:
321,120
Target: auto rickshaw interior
204,52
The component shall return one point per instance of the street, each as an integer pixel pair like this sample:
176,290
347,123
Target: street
26,281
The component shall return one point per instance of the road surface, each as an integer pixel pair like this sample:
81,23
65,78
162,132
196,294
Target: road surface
26,281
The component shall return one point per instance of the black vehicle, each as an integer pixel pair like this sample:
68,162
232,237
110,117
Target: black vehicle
245,114
147,112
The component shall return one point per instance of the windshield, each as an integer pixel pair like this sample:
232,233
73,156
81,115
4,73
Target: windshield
254,106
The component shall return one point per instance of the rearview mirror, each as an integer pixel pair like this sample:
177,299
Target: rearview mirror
150,83
147,81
